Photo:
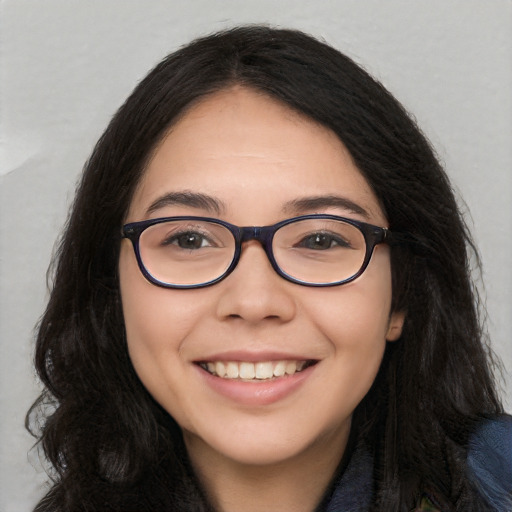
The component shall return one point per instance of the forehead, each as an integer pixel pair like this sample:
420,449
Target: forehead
251,151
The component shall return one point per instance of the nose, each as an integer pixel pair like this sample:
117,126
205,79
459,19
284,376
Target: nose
254,291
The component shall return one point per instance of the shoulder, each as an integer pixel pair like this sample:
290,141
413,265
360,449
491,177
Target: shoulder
490,461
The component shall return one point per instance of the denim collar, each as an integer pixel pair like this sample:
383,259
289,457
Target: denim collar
354,489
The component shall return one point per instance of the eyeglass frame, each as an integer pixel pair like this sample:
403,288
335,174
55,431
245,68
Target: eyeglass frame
373,236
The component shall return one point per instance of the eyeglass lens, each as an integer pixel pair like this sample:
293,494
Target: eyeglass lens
191,252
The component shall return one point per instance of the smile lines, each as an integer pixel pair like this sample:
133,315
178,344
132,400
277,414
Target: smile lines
254,371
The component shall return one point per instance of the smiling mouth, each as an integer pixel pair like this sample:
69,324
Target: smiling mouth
259,371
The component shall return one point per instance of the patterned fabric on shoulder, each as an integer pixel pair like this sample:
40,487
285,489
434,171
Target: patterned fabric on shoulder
426,505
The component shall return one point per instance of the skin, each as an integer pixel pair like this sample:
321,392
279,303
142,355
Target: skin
255,155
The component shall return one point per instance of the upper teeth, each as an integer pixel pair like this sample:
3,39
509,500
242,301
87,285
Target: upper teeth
248,371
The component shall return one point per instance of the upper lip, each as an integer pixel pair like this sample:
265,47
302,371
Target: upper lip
254,357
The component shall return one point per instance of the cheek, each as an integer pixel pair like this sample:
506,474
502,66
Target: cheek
357,313
157,320
356,331
355,320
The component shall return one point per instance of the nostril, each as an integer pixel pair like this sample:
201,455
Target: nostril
267,317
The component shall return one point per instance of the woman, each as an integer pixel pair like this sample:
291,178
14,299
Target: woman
330,358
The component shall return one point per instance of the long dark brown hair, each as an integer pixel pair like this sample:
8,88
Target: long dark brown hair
110,445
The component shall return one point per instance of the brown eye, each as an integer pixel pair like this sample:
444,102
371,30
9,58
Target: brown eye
322,241
188,240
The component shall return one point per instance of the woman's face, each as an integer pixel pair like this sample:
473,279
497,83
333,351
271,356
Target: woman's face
259,162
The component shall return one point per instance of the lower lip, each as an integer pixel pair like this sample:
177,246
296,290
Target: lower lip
256,393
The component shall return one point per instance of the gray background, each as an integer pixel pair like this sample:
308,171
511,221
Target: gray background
66,65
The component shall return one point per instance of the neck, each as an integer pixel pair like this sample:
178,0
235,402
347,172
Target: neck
297,484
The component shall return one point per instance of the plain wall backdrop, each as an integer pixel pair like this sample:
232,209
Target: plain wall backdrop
66,65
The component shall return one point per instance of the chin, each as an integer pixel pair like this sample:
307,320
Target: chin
270,444
259,454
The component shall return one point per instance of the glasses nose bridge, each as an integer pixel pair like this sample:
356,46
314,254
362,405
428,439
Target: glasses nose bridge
262,234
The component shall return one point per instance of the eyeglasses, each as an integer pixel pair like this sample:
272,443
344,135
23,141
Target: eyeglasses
311,250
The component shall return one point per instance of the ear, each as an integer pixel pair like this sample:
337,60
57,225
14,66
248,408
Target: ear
396,323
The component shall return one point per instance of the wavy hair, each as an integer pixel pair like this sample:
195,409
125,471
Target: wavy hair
110,445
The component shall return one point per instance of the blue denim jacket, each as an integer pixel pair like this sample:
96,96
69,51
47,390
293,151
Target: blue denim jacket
490,462
489,467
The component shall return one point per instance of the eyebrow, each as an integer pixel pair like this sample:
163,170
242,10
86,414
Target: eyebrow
307,204
296,206
189,199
